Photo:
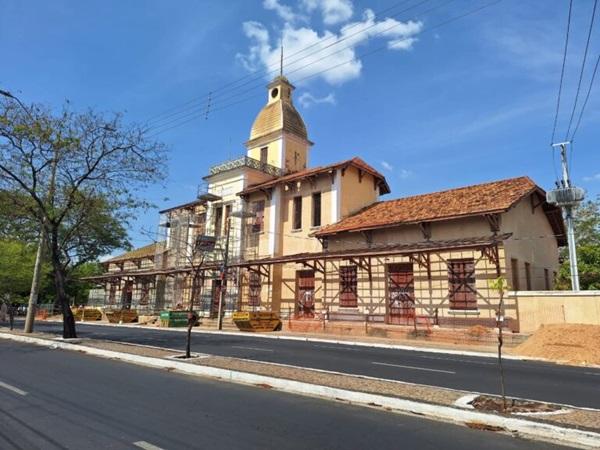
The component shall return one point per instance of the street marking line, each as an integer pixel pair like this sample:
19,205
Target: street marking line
458,360
12,388
252,348
592,373
338,348
413,367
146,445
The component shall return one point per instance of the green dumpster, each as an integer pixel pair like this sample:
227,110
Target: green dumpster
173,319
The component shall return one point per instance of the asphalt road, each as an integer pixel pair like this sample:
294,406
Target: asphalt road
527,379
53,399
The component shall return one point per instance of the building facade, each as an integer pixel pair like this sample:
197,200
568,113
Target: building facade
318,242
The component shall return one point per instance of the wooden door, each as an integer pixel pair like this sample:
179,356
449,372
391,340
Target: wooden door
400,294
128,295
461,284
305,293
216,295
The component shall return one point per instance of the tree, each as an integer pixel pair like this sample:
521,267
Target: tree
587,235
16,267
499,285
77,176
77,288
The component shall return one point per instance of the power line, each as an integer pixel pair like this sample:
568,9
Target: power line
341,39
260,85
294,62
587,97
320,41
587,44
194,115
562,72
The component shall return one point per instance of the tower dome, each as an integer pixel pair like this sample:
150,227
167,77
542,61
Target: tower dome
279,114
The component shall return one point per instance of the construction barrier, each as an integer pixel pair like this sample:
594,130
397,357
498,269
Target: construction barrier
257,321
87,314
122,316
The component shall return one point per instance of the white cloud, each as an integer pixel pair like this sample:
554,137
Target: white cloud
405,173
307,99
283,11
387,166
332,11
592,178
335,63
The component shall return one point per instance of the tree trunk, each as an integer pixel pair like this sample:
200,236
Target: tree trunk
61,296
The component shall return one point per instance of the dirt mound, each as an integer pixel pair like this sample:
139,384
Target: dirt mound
571,343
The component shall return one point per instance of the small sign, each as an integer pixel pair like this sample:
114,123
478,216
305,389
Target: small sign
205,243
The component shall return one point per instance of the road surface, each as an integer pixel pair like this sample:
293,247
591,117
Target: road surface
528,379
54,399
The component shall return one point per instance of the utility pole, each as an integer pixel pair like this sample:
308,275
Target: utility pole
224,275
567,197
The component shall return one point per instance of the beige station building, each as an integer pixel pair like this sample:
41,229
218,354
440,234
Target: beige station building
327,242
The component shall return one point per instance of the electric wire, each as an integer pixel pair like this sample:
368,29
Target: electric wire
320,41
587,97
160,129
260,78
562,72
585,53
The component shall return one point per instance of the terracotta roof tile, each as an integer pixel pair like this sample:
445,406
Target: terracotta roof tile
356,162
487,198
136,253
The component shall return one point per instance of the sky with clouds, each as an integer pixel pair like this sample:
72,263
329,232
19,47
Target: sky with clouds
430,95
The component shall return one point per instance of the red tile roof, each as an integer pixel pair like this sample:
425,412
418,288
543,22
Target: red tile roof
487,198
148,251
356,162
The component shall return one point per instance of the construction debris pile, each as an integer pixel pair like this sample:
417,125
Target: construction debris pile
568,343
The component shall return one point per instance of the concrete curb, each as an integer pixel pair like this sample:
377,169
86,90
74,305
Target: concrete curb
521,427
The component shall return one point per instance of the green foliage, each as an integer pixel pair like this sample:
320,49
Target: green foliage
78,289
587,235
16,271
498,284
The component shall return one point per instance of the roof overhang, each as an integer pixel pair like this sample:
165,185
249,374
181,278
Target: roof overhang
383,250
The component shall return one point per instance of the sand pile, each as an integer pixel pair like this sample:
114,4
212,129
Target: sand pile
571,343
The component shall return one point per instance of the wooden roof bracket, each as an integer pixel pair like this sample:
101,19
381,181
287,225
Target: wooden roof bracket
260,269
368,235
426,230
316,265
422,260
494,222
324,240
535,204
364,263
268,192
492,254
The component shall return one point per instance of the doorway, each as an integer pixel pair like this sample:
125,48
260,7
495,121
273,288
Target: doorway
400,294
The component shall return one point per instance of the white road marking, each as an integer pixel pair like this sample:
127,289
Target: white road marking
413,367
12,388
146,445
592,373
458,360
252,348
338,348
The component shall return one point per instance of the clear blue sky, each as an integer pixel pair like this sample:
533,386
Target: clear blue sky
467,102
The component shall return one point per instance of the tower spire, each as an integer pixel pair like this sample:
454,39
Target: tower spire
281,61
